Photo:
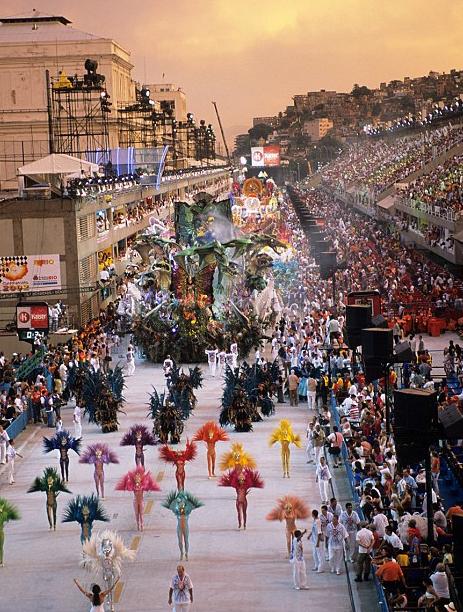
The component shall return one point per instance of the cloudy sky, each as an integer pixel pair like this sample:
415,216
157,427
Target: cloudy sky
253,56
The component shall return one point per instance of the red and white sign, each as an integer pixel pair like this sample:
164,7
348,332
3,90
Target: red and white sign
267,156
33,316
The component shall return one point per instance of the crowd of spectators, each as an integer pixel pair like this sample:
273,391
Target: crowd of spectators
375,165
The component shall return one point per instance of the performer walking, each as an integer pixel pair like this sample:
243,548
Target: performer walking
8,512
85,510
181,591
237,457
182,504
289,509
98,454
138,481
298,562
4,439
323,477
11,454
351,521
77,419
179,458
103,556
96,595
337,535
242,480
138,436
212,360
51,484
285,436
63,442
211,433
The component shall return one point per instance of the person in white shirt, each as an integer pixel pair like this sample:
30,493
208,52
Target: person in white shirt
77,418
365,540
392,539
323,477
212,360
380,521
4,439
316,538
221,361
234,352
310,448
130,358
337,536
350,519
11,454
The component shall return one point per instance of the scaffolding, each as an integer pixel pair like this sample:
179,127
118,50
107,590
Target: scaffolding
78,110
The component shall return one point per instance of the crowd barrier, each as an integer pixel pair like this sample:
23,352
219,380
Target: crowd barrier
382,602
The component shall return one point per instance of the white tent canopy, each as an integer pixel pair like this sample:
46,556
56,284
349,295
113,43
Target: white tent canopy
58,163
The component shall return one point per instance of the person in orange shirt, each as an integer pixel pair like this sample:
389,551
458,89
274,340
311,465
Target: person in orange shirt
390,575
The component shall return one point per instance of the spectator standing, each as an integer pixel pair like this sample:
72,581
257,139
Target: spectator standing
365,540
293,384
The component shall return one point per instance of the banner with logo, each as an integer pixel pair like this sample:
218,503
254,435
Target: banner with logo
29,273
257,157
32,316
267,156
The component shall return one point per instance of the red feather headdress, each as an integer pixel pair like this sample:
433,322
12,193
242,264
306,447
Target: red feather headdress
169,455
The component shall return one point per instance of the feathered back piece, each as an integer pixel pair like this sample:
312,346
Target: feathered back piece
237,457
62,439
92,554
98,452
196,377
49,479
83,505
287,506
137,479
181,502
8,512
138,432
169,455
284,433
247,478
156,404
211,432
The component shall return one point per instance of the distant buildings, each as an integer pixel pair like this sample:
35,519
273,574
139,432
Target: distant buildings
316,129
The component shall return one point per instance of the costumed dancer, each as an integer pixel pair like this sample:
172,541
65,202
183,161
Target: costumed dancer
98,454
179,458
51,484
289,509
211,433
237,457
212,360
138,481
63,442
242,480
103,556
8,512
138,436
182,503
285,436
234,353
85,510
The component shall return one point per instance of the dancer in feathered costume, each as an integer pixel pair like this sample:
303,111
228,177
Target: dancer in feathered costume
237,409
167,417
237,458
289,509
138,481
8,512
138,436
51,484
179,458
242,480
85,510
98,454
210,433
181,387
102,397
103,556
285,436
63,442
182,504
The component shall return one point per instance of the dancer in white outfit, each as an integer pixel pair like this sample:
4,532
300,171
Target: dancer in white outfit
4,439
323,477
298,562
77,418
130,357
11,454
212,360
96,596
337,536
234,352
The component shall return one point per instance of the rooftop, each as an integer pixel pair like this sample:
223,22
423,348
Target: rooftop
34,26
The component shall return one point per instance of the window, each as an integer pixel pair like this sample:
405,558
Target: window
85,227
88,269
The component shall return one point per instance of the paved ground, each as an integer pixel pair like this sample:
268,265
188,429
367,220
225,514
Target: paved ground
230,569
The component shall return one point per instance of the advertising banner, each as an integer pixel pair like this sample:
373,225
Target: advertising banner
257,157
32,316
271,155
29,273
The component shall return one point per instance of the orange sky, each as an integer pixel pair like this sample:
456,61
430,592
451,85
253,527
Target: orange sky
251,57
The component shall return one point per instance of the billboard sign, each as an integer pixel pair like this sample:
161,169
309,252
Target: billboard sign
267,156
21,273
31,317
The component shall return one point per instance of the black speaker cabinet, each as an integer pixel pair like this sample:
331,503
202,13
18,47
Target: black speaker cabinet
377,345
403,353
410,452
373,372
457,530
358,316
451,420
327,262
379,321
415,411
